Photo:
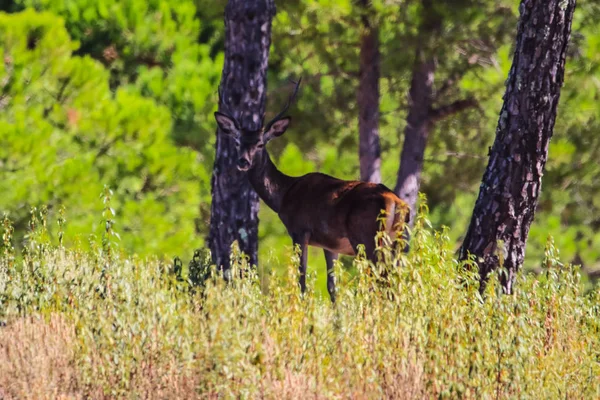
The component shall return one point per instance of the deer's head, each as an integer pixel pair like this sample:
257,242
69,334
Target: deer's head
250,143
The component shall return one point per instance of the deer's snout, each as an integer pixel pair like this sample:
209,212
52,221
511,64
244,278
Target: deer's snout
243,164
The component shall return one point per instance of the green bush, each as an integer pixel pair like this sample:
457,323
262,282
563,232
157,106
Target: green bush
128,327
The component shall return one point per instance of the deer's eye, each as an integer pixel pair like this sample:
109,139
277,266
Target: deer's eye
260,145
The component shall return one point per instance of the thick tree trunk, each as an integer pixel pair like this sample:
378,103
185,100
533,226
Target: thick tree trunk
368,98
511,184
418,125
234,208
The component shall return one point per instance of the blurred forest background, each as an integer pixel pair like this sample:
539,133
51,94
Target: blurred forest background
122,93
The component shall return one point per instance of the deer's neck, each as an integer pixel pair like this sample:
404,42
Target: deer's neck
270,183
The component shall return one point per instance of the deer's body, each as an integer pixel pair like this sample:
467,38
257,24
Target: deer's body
336,215
317,209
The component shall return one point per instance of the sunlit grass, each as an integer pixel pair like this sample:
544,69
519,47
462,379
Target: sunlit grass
94,324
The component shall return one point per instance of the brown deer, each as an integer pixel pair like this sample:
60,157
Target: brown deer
317,209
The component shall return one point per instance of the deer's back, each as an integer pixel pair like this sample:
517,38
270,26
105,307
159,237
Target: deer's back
333,210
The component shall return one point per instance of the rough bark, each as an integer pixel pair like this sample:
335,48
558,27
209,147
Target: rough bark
368,98
512,181
234,208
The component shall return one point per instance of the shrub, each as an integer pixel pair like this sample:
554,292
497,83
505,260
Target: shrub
127,327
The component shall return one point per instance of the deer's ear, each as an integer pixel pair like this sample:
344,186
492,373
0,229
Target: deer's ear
277,128
227,124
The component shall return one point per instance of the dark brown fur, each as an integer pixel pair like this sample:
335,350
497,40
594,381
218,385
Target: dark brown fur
338,215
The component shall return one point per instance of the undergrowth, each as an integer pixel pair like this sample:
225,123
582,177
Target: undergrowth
99,324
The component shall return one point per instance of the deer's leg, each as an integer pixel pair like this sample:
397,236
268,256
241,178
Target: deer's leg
330,258
302,241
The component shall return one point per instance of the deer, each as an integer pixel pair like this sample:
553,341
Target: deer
317,209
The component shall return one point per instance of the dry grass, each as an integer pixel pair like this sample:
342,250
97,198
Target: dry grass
37,359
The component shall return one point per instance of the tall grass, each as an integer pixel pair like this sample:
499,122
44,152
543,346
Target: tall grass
98,324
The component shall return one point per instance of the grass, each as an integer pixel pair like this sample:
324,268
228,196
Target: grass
99,324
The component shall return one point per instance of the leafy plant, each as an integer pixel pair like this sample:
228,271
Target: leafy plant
426,333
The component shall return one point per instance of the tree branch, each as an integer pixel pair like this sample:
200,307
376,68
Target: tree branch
435,157
439,113
453,78
107,145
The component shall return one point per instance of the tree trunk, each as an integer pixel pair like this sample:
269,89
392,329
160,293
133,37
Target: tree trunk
511,183
368,98
234,208
418,125
418,121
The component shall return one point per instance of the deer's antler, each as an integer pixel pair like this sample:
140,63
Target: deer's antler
287,106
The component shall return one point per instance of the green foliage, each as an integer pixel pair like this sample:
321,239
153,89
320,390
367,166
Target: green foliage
66,135
135,330
169,51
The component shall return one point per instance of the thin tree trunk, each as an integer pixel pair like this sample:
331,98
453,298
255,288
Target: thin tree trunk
422,115
418,121
512,181
418,125
234,208
368,98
